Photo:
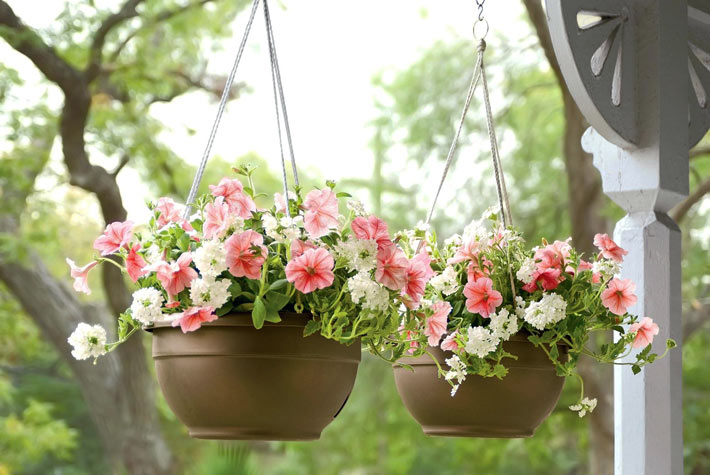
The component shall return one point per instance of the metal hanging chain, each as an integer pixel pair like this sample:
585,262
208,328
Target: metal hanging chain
277,72
277,96
220,112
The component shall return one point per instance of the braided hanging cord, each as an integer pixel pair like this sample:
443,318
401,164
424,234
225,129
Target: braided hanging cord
454,144
220,112
279,101
272,57
501,189
277,73
479,75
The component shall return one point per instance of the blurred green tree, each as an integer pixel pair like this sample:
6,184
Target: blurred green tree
109,64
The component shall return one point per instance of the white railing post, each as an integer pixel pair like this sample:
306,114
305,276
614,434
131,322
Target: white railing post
647,180
629,73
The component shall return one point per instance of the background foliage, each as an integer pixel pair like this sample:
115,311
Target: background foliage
45,425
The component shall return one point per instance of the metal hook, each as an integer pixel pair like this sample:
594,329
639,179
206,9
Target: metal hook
480,3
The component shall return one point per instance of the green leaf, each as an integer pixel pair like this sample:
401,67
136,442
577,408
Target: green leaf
276,301
225,309
636,369
258,314
272,315
343,194
235,289
278,285
311,327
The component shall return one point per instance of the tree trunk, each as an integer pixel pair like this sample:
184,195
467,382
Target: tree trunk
118,390
585,201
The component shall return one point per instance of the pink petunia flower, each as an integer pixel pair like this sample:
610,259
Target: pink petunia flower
321,212
193,318
280,202
645,331
232,191
392,266
450,343
619,295
481,298
245,254
176,276
81,275
584,265
549,278
553,256
135,264
116,236
312,270
467,252
299,246
435,326
372,228
609,248
217,219
419,272
411,337
474,271
170,212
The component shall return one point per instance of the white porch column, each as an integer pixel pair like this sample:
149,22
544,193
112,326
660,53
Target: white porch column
647,180
626,63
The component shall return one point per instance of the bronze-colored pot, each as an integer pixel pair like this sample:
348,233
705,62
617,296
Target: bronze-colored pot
228,380
482,407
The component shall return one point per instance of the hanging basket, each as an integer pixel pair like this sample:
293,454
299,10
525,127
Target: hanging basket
231,381
482,407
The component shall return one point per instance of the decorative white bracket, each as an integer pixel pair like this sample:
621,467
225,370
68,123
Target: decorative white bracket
640,72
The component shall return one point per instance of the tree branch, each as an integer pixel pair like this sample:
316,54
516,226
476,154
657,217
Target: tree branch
160,17
27,42
538,17
700,151
681,211
127,11
696,319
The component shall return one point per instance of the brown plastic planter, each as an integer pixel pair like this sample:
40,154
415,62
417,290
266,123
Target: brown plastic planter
228,380
483,407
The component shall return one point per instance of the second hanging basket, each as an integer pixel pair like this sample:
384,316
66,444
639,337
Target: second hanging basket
482,407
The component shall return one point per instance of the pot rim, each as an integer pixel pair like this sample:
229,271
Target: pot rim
243,319
519,337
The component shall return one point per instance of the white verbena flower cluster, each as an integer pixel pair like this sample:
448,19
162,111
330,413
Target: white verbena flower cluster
146,306
503,325
480,341
608,268
446,282
88,340
549,310
283,230
457,372
210,292
585,406
360,254
453,240
476,230
526,271
210,258
372,295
